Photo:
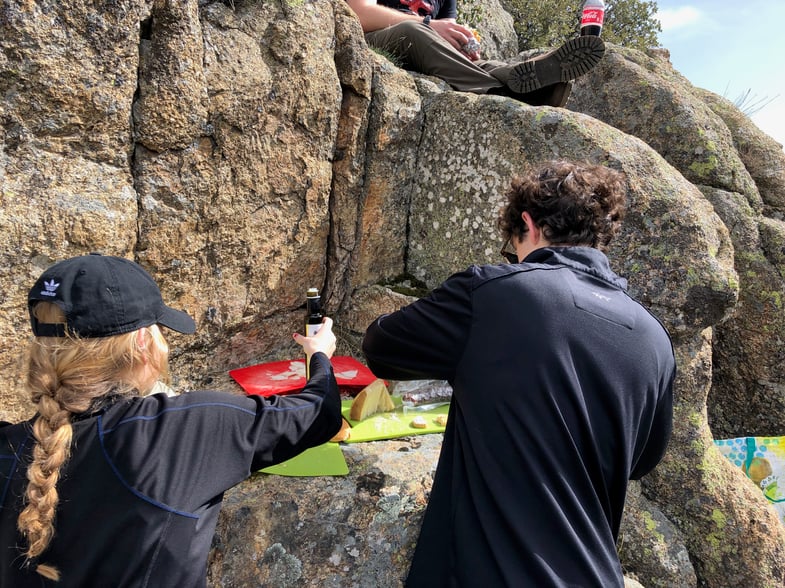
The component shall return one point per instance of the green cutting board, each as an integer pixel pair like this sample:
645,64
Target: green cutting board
323,460
389,425
328,460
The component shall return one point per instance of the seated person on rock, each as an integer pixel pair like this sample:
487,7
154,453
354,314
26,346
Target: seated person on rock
426,38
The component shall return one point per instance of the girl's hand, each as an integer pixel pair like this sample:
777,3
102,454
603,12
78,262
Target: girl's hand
323,341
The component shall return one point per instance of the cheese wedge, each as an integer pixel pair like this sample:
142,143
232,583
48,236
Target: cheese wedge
372,399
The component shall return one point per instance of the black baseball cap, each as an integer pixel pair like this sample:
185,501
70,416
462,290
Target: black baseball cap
101,296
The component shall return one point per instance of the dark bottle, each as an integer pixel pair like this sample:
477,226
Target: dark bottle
313,321
592,17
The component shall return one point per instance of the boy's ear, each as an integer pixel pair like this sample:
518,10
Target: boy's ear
532,229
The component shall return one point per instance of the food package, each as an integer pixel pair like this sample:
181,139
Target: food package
762,459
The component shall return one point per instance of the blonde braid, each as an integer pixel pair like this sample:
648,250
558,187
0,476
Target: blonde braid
52,431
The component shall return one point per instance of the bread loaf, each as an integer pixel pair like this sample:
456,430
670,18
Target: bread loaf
372,399
344,433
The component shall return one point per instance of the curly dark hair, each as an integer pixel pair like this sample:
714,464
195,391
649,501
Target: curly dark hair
573,203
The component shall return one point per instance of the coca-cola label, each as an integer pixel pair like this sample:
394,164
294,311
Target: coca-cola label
592,16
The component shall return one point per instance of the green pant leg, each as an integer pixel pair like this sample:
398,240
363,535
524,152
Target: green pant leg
419,48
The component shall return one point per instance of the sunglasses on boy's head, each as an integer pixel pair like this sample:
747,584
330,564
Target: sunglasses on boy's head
508,252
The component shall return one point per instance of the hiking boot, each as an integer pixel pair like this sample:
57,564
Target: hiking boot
553,95
573,59
560,94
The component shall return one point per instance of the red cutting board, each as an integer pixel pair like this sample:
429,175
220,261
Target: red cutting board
288,376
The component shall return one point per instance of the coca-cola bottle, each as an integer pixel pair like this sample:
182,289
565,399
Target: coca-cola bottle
592,17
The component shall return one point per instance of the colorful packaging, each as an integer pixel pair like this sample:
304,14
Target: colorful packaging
763,460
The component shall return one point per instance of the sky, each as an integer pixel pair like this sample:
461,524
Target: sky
731,47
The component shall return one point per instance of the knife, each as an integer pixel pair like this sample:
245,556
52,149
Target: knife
421,407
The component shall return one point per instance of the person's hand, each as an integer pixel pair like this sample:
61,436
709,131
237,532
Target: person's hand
323,341
456,35
472,55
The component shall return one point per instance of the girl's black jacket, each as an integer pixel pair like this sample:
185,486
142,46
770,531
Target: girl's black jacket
141,492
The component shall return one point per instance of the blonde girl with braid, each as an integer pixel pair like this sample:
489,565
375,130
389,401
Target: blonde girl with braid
69,375
110,484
